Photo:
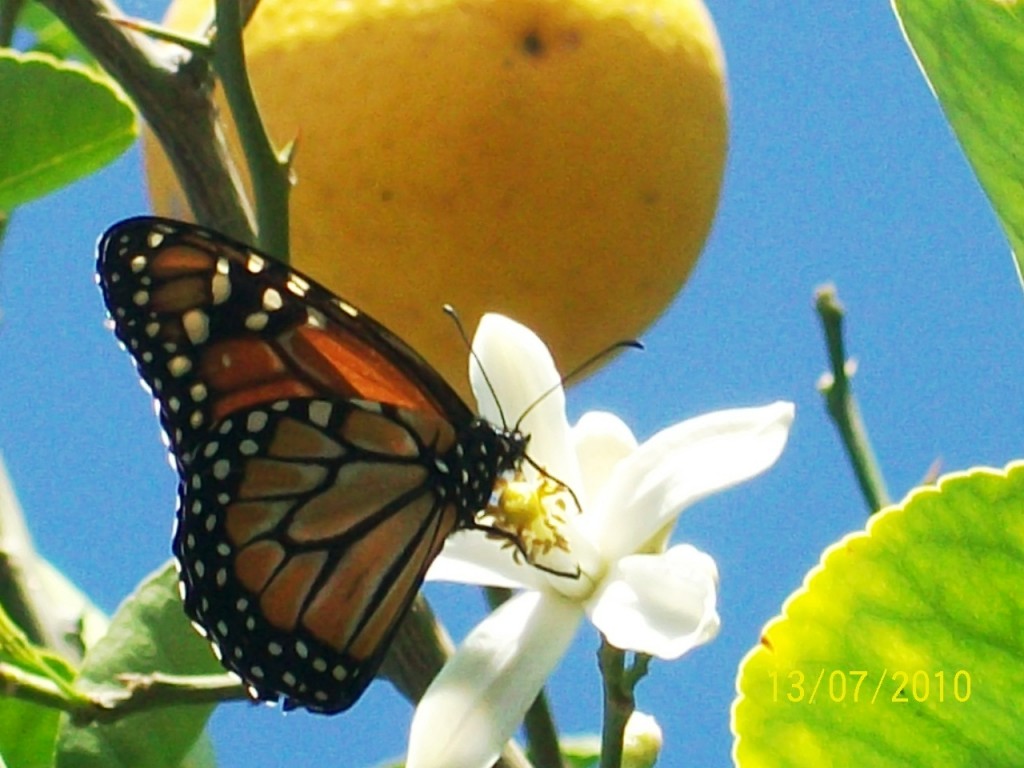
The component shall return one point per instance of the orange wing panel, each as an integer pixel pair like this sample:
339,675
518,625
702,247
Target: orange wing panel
283,598
267,478
387,611
245,520
176,260
181,295
236,363
256,564
359,492
323,355
351,591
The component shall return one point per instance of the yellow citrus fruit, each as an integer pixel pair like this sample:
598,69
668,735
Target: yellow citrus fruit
558,161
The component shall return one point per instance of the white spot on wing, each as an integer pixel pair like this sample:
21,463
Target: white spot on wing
256,263
297,285
320,412
220,285
257,321
315,318
197,325
179,365
256,421
345,307
272,300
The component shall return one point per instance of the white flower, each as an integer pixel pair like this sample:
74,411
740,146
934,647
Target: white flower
640,597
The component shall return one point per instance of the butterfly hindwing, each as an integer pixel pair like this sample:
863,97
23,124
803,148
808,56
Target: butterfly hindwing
322,462
314,509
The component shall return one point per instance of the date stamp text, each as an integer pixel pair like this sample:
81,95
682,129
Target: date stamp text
861,686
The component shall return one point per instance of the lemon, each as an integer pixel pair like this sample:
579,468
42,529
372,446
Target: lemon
558,161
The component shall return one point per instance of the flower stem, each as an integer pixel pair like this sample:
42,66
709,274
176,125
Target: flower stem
619,701
270,173
842,406
541,735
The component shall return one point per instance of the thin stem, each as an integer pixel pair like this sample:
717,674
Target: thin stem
196,45
835,387
618,704
539,722
171,89
142,693
269,172
21,684
620,681
541,734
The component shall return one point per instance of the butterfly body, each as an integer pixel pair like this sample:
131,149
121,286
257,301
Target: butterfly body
322,462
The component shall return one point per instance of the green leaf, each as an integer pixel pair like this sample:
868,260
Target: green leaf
60,121
27,734
904,647
50,35
972,53
149,633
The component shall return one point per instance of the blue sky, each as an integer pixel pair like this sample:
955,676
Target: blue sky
841,169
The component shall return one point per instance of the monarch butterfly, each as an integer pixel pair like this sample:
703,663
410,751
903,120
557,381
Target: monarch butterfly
321,461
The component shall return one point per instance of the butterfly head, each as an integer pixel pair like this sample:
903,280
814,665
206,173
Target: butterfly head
484,454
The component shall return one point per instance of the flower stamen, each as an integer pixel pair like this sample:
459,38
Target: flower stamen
530,516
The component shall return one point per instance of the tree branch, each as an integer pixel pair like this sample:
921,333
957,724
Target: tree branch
173,90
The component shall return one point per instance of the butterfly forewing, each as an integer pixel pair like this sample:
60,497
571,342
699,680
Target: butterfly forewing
321,461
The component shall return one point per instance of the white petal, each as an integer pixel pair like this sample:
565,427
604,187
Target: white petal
601,440
681,465
524,376
480,696
662,605
469,557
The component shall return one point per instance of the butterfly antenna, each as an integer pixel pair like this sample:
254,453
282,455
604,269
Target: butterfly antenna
575,372
450,311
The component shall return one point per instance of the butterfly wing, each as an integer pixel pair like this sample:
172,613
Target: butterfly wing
179,295
322,461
